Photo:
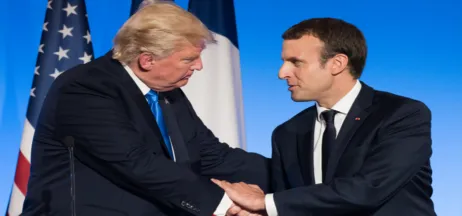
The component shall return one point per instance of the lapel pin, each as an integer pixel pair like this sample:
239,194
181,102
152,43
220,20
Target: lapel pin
166,101
357,119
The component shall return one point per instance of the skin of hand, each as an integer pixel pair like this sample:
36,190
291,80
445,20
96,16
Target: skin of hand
235,210
247,196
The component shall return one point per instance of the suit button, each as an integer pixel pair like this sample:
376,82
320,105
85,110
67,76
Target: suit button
183,203
188,205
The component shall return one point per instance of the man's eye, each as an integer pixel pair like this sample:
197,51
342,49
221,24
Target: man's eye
296,63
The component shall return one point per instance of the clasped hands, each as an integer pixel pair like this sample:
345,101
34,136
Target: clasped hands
248,200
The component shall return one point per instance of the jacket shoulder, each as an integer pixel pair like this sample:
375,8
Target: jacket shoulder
299,123
396,102
99,75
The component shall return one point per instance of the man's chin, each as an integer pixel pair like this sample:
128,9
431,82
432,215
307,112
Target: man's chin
183,82
177,85
297,98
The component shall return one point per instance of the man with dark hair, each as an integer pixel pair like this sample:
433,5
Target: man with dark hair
357,151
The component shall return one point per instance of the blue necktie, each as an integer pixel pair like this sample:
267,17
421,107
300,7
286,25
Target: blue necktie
153,101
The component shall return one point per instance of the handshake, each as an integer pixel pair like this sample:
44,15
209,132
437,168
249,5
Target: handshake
248,200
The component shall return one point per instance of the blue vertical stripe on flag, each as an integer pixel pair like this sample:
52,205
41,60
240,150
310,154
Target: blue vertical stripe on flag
218,16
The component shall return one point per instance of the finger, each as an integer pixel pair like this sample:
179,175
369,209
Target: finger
234,210
221,184
226,186
218,182
243,213
254,186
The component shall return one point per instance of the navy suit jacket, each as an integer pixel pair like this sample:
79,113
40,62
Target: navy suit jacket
380,165
122,165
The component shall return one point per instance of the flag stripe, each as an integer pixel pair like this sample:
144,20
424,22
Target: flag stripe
218,16
17,198
26,141
216,92
22,173
65,43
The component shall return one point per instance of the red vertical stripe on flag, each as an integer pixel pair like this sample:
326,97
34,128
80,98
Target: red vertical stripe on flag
22,173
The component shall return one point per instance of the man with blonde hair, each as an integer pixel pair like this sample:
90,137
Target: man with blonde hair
140,149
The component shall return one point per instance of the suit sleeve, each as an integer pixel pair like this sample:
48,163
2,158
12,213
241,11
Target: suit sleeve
278,182
107,141
403,148
220,161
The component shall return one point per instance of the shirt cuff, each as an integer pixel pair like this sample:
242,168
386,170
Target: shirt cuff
224,205
270,205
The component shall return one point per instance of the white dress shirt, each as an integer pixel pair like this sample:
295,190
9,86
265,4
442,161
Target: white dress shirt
226,202
342,107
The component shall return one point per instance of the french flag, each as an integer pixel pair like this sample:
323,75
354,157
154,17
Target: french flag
216,91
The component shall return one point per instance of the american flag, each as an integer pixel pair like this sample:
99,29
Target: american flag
65,43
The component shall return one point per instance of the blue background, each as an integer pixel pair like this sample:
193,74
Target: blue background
414,50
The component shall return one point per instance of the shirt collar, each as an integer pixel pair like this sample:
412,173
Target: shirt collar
343,105
143,87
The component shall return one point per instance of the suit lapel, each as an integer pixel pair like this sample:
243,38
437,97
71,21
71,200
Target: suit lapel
305,148
354,119
176,137
139,99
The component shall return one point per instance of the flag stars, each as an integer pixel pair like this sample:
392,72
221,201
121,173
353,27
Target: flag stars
49,4
36,70
66,31
70,9
62,53
44,28
87,37
32,92
85,58
41,48
56,73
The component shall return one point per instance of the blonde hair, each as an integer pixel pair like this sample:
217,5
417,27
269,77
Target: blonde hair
159,28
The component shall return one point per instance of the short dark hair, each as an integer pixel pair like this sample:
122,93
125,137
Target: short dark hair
338,36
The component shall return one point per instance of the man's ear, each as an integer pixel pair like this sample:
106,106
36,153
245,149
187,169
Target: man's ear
146,61
339,63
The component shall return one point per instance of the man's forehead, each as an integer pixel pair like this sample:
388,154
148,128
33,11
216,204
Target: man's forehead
189,49
298,46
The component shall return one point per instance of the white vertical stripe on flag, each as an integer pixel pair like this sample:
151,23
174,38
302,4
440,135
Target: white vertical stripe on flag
26,141
16,201
216,92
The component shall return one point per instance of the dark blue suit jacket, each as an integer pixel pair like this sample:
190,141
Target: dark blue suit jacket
380,165
122,165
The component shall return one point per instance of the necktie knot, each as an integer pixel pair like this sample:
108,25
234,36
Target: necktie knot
152,96
328,116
